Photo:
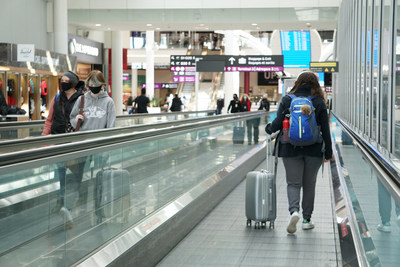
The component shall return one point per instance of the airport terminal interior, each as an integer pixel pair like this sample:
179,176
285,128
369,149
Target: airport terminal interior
172,178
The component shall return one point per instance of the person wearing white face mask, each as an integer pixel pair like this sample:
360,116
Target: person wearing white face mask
99,108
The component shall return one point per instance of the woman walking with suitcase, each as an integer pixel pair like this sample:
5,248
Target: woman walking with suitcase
302,162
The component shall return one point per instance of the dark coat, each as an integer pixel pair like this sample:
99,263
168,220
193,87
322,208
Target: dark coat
321,116
176,104
62,117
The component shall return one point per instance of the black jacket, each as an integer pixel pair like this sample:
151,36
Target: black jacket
321,116
235,105
176,104
58,125
264,104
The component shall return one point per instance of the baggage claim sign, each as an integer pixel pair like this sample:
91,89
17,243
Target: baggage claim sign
184,66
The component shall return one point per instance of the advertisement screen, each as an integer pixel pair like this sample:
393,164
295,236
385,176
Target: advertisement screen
296,49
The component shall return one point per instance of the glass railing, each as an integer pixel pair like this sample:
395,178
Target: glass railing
20,130
57,210
375,205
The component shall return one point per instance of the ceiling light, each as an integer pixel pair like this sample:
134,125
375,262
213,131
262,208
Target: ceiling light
98,25
149,25
157,29
257,28
254,24
201,25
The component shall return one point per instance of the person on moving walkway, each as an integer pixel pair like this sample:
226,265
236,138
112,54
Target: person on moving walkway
58,122
303,162
234,105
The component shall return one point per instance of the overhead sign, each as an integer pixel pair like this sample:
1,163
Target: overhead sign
260,63
327,66
163,85
26,52
86,51
268,78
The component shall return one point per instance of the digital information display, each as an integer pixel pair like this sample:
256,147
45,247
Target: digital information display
296,49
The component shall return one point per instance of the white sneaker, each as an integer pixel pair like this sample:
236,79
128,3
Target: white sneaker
384,227
67,217
294,218
307,225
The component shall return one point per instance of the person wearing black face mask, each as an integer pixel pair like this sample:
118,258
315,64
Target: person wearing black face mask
57,122
99,108
234,105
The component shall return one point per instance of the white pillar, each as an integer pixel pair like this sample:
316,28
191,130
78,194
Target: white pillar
116,63
60,26
134,82
150,64
232,79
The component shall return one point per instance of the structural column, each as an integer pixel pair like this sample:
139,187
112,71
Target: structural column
134,82
150,64
116,63
232,79
247,83
60,11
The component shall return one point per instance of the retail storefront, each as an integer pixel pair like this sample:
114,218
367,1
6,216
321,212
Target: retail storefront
29,78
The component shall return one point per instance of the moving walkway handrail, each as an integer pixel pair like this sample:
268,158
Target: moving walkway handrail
19,144
26,124
112,136
389,172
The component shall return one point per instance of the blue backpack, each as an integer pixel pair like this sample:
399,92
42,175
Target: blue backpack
303,130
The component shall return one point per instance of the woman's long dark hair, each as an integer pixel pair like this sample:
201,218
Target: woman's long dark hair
311,79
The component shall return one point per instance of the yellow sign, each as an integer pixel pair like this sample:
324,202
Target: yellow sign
327,66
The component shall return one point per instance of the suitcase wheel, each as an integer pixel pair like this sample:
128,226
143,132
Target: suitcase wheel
263,224
258,225
271,225
248,223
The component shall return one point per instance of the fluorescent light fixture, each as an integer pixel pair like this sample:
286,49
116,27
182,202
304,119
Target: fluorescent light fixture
149,25
98,25
254,24
201,25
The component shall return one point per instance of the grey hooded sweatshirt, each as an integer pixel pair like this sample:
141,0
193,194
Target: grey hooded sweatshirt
99,112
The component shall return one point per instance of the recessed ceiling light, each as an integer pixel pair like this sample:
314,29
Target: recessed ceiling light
202,25
254,24
149,25
97,25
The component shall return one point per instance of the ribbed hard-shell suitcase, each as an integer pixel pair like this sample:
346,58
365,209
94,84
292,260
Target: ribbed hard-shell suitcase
261,195
113,195
260,198
238,133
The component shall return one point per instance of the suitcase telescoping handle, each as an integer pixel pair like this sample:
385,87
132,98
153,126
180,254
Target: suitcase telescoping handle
268,151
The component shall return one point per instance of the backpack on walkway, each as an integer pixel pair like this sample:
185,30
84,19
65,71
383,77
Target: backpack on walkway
303,129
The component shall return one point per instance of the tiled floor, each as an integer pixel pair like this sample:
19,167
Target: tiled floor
222,238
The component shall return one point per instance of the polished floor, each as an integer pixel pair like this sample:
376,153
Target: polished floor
222,238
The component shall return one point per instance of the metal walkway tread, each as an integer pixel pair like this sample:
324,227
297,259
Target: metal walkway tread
222,238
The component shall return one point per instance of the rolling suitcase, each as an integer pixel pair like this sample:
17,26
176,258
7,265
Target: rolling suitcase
113,197
238,133
261,194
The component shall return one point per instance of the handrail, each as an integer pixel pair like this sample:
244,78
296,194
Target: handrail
390,170
26,124
19,144
94,142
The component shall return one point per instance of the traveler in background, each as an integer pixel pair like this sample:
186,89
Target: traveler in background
234,105
264,103
245,103
99,108
57,122
303,162
142,102
98,113
220,105
176,104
